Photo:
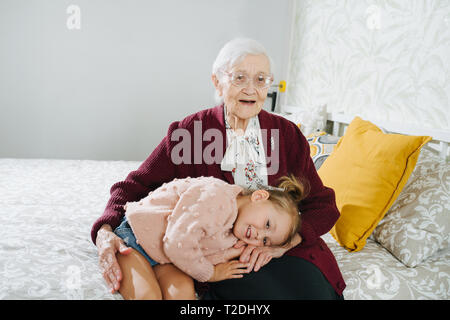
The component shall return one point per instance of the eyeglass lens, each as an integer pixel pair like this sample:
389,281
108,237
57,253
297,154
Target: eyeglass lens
260,80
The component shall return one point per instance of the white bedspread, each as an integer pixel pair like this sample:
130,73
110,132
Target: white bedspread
374,274
47,208
47,211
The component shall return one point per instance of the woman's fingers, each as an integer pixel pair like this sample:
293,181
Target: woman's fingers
254,256
117,274
123,249
262,260
106,261
233,253
245,255
110,244
259,257
239,244
114,265
113,283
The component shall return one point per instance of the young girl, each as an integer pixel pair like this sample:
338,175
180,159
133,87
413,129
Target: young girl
194,223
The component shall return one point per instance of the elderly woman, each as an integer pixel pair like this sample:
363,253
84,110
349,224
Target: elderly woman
239,142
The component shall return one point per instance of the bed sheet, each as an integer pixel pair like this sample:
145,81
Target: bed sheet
47,208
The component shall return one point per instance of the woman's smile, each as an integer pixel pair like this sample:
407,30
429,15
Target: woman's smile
249,103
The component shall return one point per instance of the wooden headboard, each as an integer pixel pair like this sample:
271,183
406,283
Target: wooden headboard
440,142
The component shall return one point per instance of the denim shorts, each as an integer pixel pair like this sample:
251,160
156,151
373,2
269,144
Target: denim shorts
124,231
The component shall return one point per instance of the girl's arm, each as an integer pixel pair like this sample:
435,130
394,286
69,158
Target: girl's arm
191,220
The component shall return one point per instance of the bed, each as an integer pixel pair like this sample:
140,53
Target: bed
48,207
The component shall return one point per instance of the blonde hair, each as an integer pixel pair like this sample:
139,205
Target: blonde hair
295,190
290,192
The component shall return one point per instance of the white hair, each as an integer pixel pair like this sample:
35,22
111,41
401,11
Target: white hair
234,52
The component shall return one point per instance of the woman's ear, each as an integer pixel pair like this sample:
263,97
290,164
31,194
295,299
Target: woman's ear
217,84
259,195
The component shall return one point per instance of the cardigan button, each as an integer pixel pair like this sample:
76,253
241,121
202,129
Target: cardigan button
322,247
312,256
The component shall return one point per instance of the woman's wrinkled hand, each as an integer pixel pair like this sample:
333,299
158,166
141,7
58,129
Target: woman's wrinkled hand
108,243
233,252
257,257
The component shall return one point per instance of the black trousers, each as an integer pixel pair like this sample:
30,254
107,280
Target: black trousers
285,278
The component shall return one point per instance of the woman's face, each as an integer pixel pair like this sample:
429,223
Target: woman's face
260,223
244,102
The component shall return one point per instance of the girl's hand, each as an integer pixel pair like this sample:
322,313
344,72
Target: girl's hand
108,243
228,270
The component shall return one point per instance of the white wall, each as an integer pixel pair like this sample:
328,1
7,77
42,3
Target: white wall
383,59
110,89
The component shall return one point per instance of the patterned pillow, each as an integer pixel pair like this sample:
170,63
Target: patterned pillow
322,145
418,224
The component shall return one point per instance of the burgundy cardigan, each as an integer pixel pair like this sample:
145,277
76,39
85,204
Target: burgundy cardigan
319,211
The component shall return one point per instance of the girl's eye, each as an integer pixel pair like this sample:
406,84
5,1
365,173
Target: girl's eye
265,241
268,224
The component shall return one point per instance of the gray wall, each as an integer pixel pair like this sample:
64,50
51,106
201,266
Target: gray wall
109,90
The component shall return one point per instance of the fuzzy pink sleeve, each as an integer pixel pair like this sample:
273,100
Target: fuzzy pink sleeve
193,218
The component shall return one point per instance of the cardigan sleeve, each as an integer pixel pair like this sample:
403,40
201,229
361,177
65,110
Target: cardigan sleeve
318,210
155,170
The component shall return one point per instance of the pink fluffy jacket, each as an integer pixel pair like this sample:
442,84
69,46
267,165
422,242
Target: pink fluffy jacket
187,222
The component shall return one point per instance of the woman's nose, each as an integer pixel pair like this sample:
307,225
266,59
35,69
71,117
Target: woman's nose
249,88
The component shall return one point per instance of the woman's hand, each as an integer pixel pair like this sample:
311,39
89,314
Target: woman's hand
234,252
229,270
108,243
257,257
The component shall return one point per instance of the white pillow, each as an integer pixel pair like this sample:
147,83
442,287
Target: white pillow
308,119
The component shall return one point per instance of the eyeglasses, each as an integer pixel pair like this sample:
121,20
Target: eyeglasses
241,79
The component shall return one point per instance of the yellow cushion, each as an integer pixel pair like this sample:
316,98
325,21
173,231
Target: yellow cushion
367,170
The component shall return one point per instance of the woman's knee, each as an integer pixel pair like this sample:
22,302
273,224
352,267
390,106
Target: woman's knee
288,278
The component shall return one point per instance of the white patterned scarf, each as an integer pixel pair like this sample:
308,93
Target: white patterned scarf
245,156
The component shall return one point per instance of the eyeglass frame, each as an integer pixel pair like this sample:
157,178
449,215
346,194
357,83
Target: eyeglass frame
229,74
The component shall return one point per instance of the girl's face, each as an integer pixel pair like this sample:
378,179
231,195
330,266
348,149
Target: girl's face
260,223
